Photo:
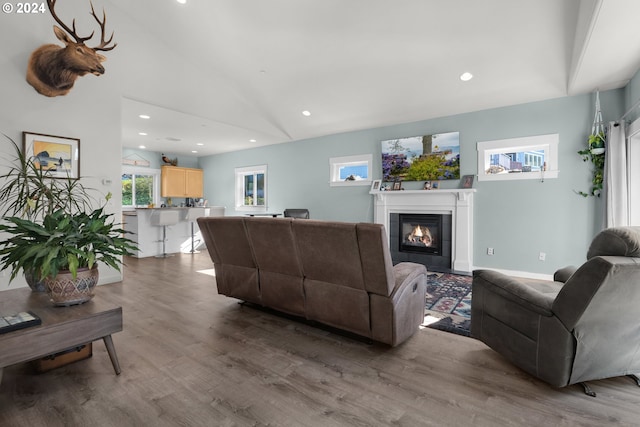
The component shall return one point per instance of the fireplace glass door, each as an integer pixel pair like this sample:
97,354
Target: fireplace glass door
420,233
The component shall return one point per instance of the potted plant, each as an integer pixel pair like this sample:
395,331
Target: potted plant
595,153
64,249
31,192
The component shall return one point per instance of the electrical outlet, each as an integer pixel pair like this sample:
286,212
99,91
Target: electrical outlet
489,251
542,256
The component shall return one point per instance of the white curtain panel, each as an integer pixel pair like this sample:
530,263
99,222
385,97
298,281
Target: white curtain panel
615,177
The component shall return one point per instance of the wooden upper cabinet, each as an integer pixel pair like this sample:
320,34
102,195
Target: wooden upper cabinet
181,182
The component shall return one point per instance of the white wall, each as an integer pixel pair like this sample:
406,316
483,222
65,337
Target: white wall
90,112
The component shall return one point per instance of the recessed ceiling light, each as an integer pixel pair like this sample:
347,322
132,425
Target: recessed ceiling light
144,116
252,140
142,147
465,77
306,113
181,1
142,133
194,151
200,144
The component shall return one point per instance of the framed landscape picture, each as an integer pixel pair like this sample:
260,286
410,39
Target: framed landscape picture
58,155
422,158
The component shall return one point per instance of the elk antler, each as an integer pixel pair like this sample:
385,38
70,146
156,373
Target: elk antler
72,32
103,44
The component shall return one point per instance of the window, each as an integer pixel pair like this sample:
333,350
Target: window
139,186
350,170
251,188
533,157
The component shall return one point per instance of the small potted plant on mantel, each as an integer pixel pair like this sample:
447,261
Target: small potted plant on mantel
52,237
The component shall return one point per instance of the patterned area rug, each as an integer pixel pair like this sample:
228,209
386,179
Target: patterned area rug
448,303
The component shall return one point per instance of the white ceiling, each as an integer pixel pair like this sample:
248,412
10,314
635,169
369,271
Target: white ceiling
224,72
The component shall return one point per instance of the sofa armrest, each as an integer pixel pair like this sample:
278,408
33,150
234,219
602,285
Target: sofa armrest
515,291
405,273
563,274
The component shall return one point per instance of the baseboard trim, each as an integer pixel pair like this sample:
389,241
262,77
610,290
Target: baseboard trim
523,274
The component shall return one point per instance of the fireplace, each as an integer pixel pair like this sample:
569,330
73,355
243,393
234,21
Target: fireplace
432,249
420,233
455,206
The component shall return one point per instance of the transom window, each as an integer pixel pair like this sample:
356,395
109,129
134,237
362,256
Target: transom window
533,157
251,188
350,170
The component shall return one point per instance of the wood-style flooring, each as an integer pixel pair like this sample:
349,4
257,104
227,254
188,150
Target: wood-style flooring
190,357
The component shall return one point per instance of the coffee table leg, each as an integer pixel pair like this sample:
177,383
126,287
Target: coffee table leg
1,370
108,342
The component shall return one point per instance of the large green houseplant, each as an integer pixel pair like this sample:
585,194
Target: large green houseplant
54,235
31,192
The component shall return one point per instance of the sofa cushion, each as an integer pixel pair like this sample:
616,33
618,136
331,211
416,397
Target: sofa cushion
277,259
329,252
375,258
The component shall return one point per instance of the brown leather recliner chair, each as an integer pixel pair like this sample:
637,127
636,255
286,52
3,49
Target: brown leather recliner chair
582,326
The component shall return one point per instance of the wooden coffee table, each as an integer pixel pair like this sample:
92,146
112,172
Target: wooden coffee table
62,327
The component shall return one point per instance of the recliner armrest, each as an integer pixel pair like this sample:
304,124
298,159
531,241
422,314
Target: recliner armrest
405,273
515,291
563,274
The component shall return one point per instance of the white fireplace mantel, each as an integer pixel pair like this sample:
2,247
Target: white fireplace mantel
456,202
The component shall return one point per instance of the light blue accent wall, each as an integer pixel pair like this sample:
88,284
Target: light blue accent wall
155,158
518,219
632,95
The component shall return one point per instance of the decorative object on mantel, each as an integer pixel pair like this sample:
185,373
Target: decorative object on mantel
595,151
135,159
397,185
375,185
52,70
467,181
168,161
427,185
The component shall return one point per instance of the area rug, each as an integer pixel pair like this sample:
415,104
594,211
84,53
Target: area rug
448,303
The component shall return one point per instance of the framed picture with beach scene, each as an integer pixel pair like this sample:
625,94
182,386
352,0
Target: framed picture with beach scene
58,155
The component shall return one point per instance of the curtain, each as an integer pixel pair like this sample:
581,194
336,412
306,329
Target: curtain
615,177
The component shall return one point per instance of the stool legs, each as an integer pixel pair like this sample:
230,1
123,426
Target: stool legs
164,244
193,248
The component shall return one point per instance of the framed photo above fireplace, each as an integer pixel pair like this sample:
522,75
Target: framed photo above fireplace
422,158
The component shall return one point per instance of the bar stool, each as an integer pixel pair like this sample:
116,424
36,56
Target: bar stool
164,218
191,215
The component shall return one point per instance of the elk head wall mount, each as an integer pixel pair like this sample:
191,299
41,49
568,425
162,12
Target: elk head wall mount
52,70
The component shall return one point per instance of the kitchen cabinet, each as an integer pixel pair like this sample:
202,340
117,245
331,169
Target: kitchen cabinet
181,182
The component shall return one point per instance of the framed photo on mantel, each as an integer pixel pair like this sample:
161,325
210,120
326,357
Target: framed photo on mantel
58,155
467,181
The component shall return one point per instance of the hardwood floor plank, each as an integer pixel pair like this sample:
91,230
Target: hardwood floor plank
190,357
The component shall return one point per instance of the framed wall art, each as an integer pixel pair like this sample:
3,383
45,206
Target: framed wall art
58,155
421,158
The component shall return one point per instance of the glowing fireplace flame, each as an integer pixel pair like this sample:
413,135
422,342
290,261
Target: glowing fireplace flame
419,236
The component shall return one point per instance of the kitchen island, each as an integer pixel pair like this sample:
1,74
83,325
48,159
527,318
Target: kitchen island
149,237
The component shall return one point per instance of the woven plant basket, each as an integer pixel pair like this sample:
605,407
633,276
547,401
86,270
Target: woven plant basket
64,290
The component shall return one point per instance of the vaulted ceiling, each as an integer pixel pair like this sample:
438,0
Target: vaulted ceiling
236,74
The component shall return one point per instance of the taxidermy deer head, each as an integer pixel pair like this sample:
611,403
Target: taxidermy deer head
52,70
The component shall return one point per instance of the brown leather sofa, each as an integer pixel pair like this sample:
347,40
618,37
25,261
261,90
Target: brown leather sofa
335,273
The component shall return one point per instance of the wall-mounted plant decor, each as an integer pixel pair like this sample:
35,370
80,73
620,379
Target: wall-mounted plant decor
595,152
